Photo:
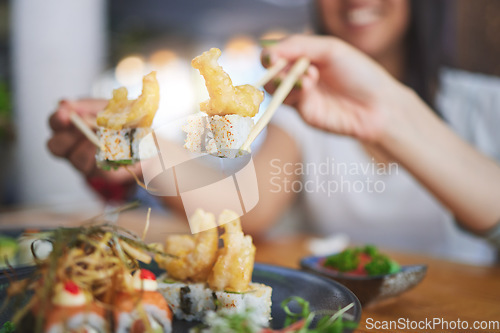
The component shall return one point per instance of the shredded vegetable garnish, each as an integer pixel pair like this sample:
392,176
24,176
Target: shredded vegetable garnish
98,259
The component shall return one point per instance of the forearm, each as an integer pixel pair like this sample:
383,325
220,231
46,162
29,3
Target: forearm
463,179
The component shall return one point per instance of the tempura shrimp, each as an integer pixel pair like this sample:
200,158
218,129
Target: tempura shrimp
194,255
234,266
124,113
224,97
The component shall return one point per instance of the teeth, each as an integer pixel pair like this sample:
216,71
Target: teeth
362,16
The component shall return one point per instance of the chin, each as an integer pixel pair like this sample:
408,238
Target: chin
368,45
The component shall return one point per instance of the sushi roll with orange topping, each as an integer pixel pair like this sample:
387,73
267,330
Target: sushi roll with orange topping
73,310
144,309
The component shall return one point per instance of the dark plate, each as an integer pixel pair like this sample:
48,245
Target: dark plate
323,294
370,289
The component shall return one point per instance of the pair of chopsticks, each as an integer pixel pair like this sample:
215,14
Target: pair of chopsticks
279,96
85,129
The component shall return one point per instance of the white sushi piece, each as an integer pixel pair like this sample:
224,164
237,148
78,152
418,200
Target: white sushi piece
82,322
188,301
196,128
116,144
143,144
220,136
193,301
229,133
125,146
156,318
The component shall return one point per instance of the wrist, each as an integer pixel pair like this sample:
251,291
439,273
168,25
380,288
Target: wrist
403,121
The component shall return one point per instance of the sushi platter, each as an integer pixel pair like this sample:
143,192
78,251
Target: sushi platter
102,278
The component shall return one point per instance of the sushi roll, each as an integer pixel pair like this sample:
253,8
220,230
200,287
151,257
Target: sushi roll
73,310
229,133
229,111
196,129
144,308
125,146
124,126
220,136
192,301
227,271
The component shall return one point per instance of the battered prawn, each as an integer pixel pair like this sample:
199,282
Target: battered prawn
234,266
224,97
124,113
194,255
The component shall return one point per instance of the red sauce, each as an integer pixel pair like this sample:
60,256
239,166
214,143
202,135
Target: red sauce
359,271
71,287
147,275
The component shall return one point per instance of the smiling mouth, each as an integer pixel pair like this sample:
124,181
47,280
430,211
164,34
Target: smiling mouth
360,17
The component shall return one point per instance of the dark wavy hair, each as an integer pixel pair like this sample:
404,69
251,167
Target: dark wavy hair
429,44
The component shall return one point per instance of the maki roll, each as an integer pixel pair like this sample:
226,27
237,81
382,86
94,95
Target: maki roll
73,310
216,135
228,112
143,309
124,147
202,277
229,133
193,301
124,126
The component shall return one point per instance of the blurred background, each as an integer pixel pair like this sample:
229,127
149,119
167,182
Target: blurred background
55,49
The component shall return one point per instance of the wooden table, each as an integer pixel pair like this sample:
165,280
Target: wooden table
450,291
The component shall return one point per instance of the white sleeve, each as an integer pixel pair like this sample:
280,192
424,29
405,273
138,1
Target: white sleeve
470,104
290,121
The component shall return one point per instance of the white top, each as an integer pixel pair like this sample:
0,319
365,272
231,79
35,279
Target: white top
387,206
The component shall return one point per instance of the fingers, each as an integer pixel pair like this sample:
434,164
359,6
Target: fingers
83,157
60,119
87,108
318,49
301,88
62,142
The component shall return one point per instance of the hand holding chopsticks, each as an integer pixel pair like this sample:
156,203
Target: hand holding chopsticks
280,95
85,129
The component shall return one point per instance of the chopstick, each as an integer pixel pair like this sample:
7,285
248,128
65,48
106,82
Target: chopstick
84,128
281,93
271,72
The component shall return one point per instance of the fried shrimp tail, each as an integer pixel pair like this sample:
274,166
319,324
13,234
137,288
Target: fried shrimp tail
123,113
234,266
224,97
194,255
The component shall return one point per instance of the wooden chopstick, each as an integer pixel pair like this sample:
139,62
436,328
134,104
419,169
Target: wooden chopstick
281,93
271,72
85,129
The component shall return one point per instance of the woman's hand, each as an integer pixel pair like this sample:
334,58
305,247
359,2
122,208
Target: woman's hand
68,142
343,92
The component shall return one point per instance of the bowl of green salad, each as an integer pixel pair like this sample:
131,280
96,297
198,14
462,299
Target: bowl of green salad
370,274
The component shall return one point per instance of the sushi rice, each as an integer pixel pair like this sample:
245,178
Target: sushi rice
193,301
217,135
125,146
90,322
